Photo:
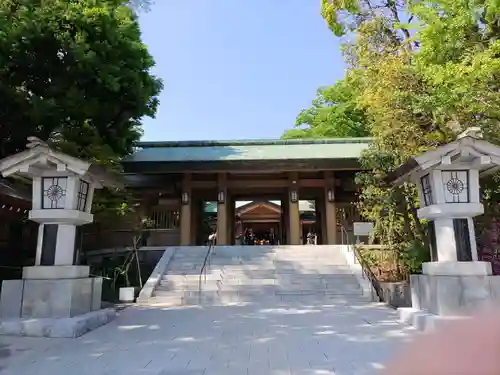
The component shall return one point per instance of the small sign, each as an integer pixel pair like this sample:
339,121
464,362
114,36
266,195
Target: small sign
362,228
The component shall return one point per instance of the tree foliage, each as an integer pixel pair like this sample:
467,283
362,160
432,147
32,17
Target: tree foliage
334,113
419,98
421,72
427,85
76,73
347,16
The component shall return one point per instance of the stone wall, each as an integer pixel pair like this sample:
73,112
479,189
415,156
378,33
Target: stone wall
453,295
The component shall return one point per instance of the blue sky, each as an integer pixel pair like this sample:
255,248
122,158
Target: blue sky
235,69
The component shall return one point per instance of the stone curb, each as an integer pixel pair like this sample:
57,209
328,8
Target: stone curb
148,289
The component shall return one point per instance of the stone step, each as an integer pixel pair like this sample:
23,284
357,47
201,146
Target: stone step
295,284
174,276
263,289
277,255
239,284
201,253
179,286
174,300
290,264
279,276
253,274
288,281
285,272
312,286
172,284
260,290
209,298
179,268
258,257
186,273
177,283
330,269
286,277
194,288
317,280
274,249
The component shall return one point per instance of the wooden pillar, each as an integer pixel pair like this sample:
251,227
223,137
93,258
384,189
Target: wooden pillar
239,228
231,219
285,204
321,220
186,208
196,217
293,210
330,209
284,221
222,211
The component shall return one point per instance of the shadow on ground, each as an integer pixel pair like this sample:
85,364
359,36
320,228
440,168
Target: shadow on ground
310,333
247,339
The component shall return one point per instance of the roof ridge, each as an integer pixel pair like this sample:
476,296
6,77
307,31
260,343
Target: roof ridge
252,142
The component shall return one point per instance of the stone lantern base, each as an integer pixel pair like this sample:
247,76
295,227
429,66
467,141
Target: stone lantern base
449,291
52,301
474,268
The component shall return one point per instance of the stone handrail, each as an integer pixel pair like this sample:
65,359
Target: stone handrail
155,277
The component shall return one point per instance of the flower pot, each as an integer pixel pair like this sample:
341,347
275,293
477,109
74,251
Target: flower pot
127,294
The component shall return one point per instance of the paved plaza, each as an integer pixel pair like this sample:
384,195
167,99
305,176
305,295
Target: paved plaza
308,337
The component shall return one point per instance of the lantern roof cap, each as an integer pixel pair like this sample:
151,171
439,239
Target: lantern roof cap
468,151
40,160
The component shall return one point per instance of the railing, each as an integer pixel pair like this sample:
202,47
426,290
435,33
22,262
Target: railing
207,260
344,235
366,271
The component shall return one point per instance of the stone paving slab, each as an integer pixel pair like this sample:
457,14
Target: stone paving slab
339,338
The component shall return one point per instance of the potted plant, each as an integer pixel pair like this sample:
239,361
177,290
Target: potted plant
129,292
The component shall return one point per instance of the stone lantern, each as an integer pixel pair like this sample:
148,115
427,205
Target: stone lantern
56,290
447,179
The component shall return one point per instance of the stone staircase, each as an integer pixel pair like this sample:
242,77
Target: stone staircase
258,274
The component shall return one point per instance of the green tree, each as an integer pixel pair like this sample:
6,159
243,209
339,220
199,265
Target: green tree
344,17
76,73
419,89
334,113
421,96
418,73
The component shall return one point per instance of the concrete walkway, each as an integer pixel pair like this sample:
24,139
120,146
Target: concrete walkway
311,337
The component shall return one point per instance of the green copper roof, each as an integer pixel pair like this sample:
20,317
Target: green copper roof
246,150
